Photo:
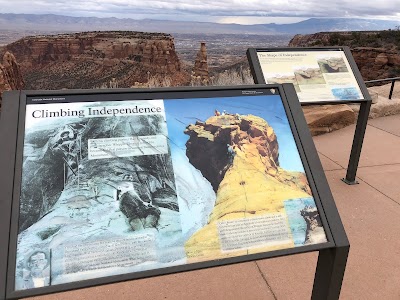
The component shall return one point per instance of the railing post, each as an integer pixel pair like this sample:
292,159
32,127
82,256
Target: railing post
392,80
391,89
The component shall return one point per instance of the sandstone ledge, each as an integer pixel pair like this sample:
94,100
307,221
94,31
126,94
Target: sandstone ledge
326,118
384,107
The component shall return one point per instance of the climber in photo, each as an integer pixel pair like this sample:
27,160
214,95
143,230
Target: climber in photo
231,153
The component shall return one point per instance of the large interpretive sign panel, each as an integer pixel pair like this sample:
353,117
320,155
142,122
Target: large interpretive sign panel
319,75
141,183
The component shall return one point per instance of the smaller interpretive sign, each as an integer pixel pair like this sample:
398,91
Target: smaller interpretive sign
318,75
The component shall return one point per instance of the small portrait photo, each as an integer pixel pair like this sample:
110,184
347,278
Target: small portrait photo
332,65
275,78
36,272
309,75
348,93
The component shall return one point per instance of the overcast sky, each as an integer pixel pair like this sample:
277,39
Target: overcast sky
222,11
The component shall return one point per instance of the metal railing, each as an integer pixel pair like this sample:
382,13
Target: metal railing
393,80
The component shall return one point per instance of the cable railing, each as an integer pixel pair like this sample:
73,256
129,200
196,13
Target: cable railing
393,80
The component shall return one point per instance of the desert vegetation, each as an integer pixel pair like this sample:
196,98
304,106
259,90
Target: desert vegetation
389,39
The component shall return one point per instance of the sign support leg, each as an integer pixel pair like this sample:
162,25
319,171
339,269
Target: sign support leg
8,130
329,273
357,143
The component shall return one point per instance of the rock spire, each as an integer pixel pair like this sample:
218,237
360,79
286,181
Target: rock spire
200,74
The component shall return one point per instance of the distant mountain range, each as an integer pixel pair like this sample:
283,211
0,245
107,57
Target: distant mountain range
59,23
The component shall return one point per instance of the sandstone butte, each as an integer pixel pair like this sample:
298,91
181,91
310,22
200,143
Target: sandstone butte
252,185
10,74
90,59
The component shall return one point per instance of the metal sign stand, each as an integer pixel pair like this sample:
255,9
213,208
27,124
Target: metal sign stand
9,126
358,140
331,263
365,103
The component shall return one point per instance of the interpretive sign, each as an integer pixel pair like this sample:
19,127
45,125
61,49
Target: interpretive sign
318,74
123,184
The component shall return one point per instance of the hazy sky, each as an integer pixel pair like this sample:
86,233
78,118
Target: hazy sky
223,11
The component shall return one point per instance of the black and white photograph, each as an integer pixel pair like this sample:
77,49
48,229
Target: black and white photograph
96,175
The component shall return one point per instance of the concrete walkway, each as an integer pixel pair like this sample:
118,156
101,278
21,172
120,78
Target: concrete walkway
370,212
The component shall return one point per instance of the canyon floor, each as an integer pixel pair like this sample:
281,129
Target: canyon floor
370,212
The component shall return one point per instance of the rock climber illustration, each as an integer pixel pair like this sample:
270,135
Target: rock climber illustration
231,152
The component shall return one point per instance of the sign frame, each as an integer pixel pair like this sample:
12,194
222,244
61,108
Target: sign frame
332,254
365,102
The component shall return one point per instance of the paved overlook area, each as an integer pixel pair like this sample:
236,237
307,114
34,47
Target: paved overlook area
370,212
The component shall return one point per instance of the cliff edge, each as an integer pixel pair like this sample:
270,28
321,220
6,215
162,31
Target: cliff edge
93,59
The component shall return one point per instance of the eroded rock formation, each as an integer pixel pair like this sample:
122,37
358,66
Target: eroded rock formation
10,74
377,63
249,182
90,59
200,74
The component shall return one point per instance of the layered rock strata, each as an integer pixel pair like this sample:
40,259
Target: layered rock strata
90,59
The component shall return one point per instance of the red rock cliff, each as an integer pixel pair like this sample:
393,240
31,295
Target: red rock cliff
10,74
89,59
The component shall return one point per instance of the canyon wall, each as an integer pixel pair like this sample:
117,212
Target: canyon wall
93,59
10,75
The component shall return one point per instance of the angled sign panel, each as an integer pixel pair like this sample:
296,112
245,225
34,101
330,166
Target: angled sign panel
120,184
320,75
